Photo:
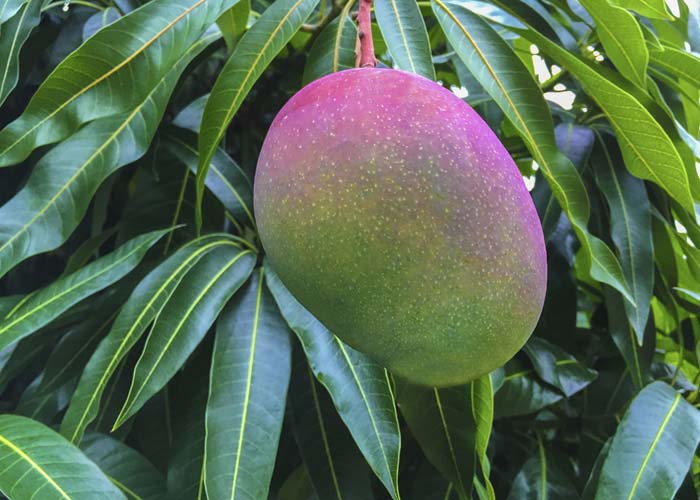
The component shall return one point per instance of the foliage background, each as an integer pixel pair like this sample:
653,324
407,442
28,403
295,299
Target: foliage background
147,351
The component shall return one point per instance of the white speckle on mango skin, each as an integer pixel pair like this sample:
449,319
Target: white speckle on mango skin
393,213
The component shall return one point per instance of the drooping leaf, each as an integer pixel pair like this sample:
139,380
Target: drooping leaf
253,53
13,34
184,321
225,179
677,62
45,212
335,465
97,80
541,478
637,356
233,22
630,220
36,462
521,393
249,377
557,367
622,39
142,307
333,50
442,422
652,448
60,295
650,8
404,31
128,470
646,147
505,78
359,387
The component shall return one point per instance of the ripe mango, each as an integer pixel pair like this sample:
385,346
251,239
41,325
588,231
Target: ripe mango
393,213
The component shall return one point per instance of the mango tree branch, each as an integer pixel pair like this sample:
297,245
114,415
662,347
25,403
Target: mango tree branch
365,46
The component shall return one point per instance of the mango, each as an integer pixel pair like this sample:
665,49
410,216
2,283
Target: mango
393,213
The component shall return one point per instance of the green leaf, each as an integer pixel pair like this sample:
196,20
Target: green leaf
647,149
442,421
185,471
9,8
333,50
481,398
49,303
184,321
521,394
12,37
335,465
652,448
34,460
404,32
656,9
225,179
622,39
503,75
541,478
128,470
97,80
638,356
99,20
233,22
249,378
557,367
44,213
253,53
142,307
359,387
677,62
630,226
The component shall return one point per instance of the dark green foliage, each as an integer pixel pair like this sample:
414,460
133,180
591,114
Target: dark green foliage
149,353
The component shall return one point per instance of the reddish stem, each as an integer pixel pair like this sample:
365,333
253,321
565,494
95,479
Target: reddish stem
365,52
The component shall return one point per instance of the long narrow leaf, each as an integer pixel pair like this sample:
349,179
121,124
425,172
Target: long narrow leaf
359,387
249,379
13,34
253,53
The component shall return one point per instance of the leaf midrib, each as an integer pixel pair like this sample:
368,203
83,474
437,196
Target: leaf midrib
107,74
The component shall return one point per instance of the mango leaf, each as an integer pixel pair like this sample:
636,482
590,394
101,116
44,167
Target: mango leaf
49,303
638,356
503,75
253,53
34,460
125,467
557,367
12,37
404,32
233,22
442,421
359,387
96,81
184,321
99,20
250,372
677,62
655,9
653,447
630,226
225,179
185,472
142,307
481,398
47,209
9,8
521,394
335,465
333,50
298,486
540,478
622,39
648,151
